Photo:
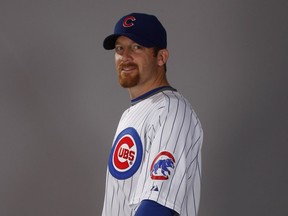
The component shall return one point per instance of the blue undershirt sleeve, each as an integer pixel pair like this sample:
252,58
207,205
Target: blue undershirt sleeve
152,208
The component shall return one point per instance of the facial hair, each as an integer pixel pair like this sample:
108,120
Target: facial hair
128,80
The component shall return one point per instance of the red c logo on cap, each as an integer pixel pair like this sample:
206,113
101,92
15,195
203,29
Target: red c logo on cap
128,21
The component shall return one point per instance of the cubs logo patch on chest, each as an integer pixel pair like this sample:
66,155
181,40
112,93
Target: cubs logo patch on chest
126,154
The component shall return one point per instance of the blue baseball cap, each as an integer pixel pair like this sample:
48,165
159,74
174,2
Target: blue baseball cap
144,29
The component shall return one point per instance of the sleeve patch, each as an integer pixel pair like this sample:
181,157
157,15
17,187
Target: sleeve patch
162,166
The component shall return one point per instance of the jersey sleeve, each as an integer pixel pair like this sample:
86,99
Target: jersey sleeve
172,165
152,208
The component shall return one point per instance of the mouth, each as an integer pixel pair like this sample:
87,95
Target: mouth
128,68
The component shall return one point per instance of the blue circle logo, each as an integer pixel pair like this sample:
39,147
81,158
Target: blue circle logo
126,154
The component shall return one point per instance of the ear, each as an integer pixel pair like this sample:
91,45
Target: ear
162,57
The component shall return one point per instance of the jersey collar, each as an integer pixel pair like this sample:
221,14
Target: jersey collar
150,93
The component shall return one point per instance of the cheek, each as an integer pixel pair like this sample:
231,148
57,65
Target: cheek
117,58
150,64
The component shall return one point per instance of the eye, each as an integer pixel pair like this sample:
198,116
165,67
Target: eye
136,47
118,48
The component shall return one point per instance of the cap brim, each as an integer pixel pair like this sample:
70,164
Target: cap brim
109,42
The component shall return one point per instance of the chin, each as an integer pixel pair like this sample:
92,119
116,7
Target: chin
129,81
127,84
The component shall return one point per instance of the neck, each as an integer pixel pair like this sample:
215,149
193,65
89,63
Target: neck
137,91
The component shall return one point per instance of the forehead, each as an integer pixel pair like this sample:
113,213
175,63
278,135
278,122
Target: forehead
123,41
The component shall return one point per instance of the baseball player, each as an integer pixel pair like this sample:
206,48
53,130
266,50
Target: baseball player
154,167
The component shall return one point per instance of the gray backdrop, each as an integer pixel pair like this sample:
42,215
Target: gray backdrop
61,102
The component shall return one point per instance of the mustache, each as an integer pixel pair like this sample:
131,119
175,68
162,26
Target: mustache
123,65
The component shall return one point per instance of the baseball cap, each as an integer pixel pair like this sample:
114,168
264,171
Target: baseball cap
144,29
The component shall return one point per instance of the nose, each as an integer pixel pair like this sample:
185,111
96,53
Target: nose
126,55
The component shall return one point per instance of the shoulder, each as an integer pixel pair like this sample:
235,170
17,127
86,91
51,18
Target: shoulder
175,101
179,109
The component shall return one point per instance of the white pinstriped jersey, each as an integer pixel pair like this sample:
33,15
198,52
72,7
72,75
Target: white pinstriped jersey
156,155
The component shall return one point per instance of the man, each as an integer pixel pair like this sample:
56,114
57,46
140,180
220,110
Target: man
154,166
